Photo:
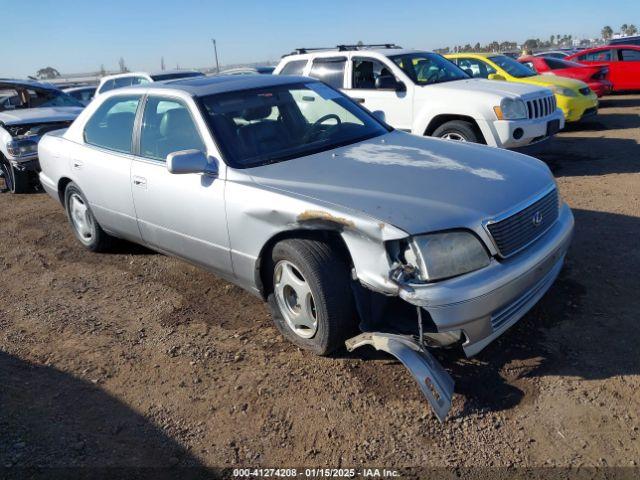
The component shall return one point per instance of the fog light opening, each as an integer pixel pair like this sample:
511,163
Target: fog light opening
518,133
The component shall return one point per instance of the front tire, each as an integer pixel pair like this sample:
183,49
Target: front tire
311,300
458,130
84,225
15,180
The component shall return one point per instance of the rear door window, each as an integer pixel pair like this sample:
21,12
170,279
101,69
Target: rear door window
329,70
628,55
599,56
111,125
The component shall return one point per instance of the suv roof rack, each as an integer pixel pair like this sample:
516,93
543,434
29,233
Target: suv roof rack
343,48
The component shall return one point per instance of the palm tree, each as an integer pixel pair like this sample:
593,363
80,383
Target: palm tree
632,29
623,28
606,32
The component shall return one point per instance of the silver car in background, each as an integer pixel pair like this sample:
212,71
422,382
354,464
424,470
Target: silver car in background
352,231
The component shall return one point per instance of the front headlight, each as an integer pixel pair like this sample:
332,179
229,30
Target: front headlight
565,92
443,255
22,148
511,109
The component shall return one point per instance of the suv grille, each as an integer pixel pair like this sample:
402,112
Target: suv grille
518,230
541,107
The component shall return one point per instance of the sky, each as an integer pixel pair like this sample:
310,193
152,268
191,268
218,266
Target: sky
79,36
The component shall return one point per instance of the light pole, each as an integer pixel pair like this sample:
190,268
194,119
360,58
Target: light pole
215,50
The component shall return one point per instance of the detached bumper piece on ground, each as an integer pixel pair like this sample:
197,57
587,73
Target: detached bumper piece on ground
436,384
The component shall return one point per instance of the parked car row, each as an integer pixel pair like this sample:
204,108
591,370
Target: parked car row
325,198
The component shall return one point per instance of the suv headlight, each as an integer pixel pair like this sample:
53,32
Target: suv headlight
511,109
443,255
22,148
565,92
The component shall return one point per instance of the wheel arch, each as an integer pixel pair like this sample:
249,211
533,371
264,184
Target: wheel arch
62,186
441,119
263,279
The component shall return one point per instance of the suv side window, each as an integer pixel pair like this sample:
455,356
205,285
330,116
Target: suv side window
295,67
475,68
366,71
111,125
329,70
123,82
167,127
628,55
108,85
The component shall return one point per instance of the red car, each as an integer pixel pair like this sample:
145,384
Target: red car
596,76
623,62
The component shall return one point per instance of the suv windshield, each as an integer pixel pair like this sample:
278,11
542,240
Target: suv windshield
28,97
260,126
512,67
428,68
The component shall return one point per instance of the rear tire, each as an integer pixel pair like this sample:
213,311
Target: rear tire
311,302
84,225
458,130
15,180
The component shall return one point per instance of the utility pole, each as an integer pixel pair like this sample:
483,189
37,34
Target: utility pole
215,50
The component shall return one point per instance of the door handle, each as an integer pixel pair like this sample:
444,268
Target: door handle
140,182
359,100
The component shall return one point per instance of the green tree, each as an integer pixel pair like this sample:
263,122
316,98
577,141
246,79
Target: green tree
632,29
47,73
623,28
606,32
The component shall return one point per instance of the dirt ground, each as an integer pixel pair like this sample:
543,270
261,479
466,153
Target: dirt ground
136,359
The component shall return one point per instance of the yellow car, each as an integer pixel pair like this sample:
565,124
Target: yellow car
574,98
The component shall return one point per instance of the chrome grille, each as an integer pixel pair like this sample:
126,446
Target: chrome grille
518,230
541,107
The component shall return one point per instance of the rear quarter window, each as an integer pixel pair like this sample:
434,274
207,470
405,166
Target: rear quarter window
294,67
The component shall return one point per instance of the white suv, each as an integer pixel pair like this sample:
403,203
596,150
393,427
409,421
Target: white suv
426,94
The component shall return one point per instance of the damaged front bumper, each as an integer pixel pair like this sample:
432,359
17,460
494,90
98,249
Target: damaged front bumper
482,305
485,303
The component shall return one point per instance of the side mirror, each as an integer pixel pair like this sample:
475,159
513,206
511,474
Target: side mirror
191,161
379,114
389,82
495,76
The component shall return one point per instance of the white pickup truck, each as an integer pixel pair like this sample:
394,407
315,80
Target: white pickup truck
426,94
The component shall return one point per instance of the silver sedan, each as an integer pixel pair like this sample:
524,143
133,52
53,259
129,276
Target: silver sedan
353,232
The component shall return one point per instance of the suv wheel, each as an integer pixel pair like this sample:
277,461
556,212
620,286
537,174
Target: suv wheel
83,223
14,180
311,301
458,130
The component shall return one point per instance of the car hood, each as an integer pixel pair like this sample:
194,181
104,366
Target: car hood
414,183
473,86
36,115
553,81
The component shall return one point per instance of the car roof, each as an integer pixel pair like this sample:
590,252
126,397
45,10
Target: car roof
10,83
203,86
332,52
474,54
80,87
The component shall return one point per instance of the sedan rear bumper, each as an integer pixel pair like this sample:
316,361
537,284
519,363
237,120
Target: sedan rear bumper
485,303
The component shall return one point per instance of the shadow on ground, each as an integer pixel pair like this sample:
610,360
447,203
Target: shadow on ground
49,418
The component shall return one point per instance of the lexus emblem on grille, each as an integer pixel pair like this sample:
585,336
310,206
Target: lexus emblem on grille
536,219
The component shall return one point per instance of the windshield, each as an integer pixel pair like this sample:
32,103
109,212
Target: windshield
173,76
267,125
20,97
512,67
428,68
